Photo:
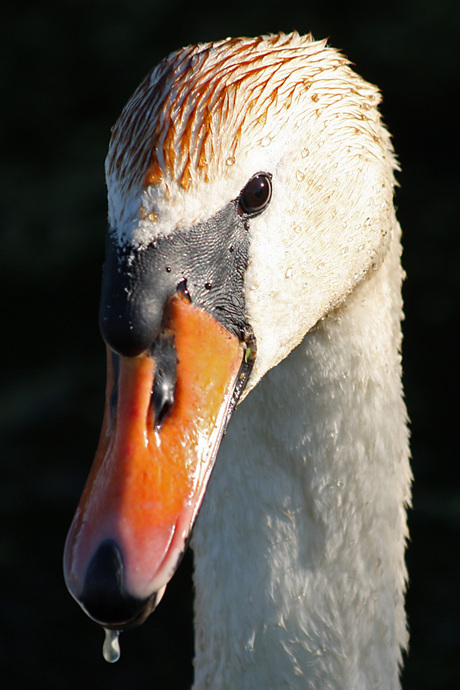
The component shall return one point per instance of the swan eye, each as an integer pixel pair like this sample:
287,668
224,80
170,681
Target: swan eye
256,196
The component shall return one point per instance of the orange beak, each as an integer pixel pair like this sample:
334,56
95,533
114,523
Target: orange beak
149,475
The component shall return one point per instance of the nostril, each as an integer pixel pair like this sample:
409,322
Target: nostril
164,386
162,397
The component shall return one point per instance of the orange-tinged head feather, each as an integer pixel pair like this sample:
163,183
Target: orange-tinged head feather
186,122
170,127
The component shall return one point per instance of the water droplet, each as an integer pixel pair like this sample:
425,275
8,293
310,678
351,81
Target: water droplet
305,153
250,644
300,175
289,273
230,160
265,141
111,646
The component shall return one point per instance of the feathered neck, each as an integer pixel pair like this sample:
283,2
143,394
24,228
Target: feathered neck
300,572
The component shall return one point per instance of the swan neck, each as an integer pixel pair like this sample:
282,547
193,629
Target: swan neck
300,542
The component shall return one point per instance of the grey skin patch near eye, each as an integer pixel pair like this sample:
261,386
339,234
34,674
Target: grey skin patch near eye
138,283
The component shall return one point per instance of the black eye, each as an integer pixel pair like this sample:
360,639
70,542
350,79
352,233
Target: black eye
256,196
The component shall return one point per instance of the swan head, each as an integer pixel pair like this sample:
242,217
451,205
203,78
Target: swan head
250,186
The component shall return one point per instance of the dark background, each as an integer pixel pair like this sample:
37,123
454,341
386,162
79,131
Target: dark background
66,69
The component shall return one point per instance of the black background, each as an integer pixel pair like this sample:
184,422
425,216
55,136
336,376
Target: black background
66,70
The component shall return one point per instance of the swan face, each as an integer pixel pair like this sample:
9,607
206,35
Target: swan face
314,243
285,106
197,131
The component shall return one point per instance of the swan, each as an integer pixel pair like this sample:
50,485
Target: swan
253,272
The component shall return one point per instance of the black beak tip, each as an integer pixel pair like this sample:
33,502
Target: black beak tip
104,597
